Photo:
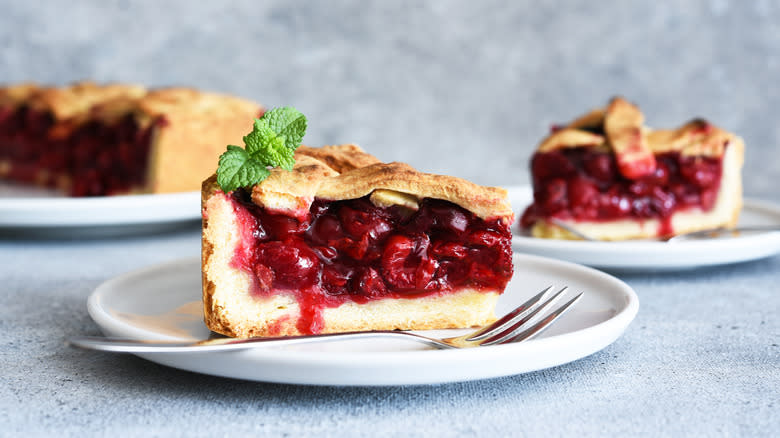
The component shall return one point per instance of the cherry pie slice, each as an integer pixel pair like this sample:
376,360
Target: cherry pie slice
611,178
90,140
345,243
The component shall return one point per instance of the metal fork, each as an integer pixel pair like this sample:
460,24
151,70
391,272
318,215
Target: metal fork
523,323
701,234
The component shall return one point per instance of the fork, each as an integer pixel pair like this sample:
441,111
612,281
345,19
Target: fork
709,233
522,323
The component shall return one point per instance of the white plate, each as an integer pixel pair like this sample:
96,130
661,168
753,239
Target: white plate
163,302
638,255
33,209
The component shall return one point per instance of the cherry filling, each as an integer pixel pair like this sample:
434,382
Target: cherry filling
584,184
99,158
354,251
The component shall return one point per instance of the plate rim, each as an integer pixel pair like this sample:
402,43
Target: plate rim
28,213
605,332
683,250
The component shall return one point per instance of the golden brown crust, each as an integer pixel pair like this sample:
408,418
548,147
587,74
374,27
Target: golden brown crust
312,177
79,98
570,138
626,135
485,202
590,120
188,103
340,158
623,126
695,138
14,95
110,101
189,142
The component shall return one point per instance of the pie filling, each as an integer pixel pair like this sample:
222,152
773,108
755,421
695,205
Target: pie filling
583,184
98,158
353,251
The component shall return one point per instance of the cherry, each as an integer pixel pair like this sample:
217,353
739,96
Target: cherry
326,253
554,196
660,176
370,283
551,165
600,166
614,204
294,264
700,172
640,188
280,226
453,272
326,229
402,258
448,218
686,195
424,273
360,223
335,278
641,207
356,249
446,249
582,193
484,238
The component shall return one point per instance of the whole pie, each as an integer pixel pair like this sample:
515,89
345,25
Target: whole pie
88,139
345,242
609,177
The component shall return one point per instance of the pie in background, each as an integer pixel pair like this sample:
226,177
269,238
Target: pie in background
92,140
609,177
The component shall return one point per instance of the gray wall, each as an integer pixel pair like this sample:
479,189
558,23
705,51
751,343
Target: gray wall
462,87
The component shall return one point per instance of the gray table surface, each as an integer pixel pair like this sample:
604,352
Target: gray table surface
465,88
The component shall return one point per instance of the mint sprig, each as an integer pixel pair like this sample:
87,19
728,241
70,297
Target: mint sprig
271,143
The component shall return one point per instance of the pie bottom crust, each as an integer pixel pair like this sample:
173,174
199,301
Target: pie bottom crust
229,307
724,213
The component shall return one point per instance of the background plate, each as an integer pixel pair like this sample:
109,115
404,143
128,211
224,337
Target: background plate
164,302
641,255
32,210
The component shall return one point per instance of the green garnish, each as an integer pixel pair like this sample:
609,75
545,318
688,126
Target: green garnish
271,143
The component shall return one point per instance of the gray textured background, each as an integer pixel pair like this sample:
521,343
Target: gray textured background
466,88
463,87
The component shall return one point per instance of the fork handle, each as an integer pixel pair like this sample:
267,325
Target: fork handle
124,345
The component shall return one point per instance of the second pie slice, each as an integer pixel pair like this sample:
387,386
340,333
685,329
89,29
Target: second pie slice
345,242
609,177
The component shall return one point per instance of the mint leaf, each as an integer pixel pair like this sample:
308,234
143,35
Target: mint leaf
237,169
267,147
272,143
287,122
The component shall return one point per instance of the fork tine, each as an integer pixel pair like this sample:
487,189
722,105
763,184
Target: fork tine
509,318
509,330
539,326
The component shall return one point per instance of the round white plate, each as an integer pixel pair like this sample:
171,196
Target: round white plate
35,209
637,255
163,302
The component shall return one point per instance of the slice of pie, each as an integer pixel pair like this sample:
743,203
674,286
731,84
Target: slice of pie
90,140
611,178
345,243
